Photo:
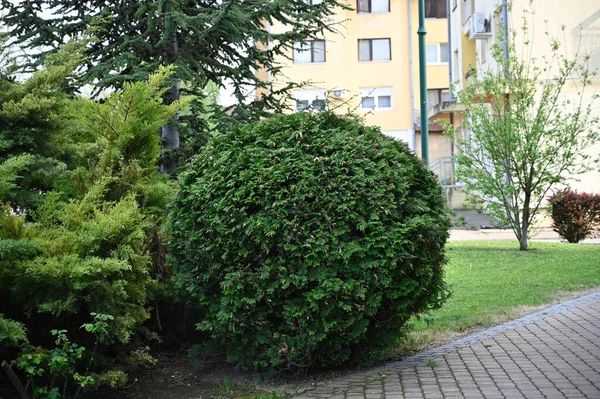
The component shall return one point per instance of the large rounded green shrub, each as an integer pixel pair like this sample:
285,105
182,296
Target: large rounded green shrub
309,240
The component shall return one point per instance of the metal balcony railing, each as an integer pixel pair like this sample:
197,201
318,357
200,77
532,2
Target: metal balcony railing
444,168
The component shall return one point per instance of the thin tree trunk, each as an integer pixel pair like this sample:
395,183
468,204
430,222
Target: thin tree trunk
170,131
523,244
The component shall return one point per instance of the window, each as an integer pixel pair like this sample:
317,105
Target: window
435,9
372,6
437,96
367,102
319,105
311,100
377,98
437,53
384,102
374,50
309,51
314,105
301,105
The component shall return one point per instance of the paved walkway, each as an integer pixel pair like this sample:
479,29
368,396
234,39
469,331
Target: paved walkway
553,353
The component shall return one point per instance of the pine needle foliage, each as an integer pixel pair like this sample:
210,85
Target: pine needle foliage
208,41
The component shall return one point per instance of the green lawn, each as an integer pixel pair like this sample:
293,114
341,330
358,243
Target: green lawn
493,282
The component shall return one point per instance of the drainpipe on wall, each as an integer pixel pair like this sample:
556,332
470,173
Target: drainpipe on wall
423,83
449,17
412,73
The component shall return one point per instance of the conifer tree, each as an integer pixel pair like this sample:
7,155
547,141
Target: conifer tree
208,40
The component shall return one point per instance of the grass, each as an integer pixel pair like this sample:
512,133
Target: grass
229,390
493,282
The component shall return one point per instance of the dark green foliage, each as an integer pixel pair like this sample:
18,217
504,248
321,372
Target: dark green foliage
215,40
51,372
208,41
308,240
575,215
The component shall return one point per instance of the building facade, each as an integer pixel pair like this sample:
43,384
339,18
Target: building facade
370,67
476,25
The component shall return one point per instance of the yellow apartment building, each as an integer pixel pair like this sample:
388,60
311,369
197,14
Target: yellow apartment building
475,26
371,67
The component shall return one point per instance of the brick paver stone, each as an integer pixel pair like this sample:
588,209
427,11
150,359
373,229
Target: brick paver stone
553,353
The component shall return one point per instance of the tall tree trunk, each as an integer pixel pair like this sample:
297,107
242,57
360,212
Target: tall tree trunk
170,131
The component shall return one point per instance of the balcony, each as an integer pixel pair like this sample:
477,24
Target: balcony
440,104
444,168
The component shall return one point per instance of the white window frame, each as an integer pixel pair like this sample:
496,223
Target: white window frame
310,96
370,7
375,92
312,52
439,54
441,94
389,40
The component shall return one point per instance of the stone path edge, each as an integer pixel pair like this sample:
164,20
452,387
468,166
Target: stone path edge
387,368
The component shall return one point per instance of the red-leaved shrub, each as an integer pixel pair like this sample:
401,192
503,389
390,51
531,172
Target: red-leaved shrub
575,215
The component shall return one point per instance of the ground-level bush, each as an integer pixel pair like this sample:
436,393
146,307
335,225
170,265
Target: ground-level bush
308,240
575,215
91,244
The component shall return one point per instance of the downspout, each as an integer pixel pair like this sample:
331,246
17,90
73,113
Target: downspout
423,83
449,17
412,73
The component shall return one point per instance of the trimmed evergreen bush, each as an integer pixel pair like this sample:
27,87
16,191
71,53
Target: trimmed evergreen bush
575,215
308,240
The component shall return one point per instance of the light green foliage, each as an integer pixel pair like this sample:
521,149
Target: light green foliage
12,226
69,284
111,379
126,123
9,172
141,357
37,142
87,243
531,133
308,240
12,333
